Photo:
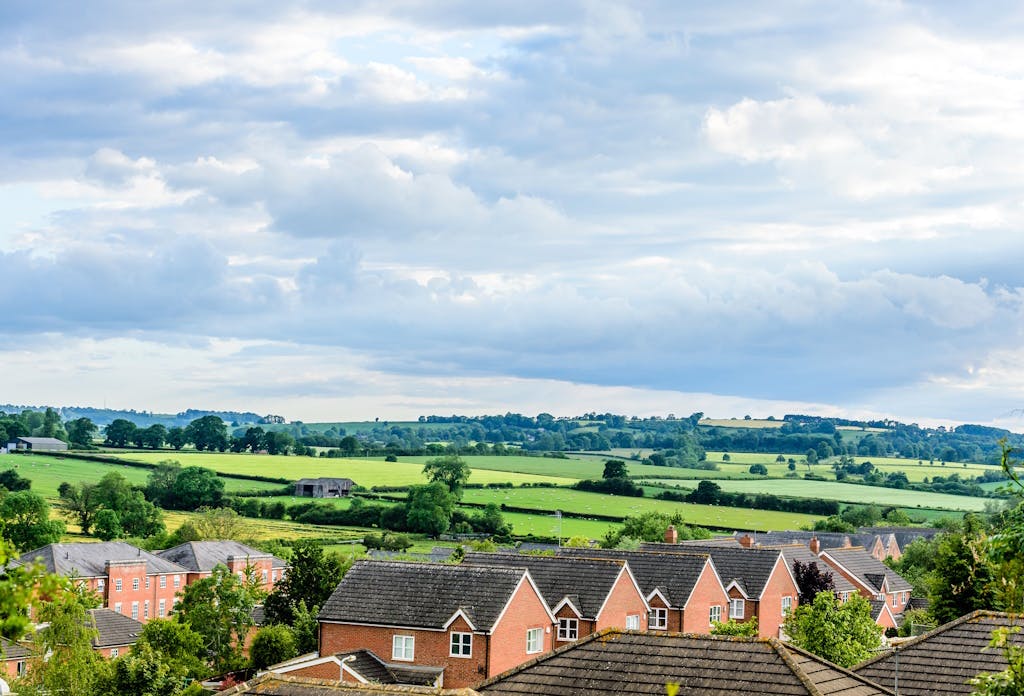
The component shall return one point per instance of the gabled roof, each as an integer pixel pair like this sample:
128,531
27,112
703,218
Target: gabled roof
622,662
41,440
271,684
114,629
13,651
202,556
674,575
343,482
365,666
88,559
799,552
943,660
868,569
904,535
750,567
587,582
422,595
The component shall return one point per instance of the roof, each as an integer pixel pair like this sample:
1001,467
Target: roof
620,662
868,569
588,581
944,659
41,441
828,540
421,595
729,541
13,651
202,556
799,552
344,482
114,629
904,535
271,684
365,664
674,575
751,568
88,560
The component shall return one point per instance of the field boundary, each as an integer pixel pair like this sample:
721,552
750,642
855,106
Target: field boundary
103,459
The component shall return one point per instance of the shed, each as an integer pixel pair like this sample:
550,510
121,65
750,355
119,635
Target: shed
38,444
323,487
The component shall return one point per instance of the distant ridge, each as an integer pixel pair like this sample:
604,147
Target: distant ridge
143,419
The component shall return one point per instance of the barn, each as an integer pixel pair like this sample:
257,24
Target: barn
323,487
37,444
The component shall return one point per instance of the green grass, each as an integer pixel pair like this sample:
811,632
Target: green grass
568,469
47,473
741,461
598,504
365,472
844,492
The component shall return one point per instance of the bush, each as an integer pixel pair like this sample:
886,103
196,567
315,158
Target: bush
758,469
614,486
272,644
387,541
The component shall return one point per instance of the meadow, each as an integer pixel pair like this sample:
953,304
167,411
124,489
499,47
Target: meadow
569,470
739,462
843,492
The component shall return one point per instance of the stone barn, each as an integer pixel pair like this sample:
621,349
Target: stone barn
323,487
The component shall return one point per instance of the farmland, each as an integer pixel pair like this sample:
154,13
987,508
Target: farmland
741,461
843,492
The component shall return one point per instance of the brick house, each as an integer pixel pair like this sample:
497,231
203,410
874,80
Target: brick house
872,578
15,659
198,558
272,684
584,594
130,581
470,621
115,633
683,590
358,667
758,582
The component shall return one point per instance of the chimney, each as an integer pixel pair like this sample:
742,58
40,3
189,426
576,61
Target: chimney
746,541
671,535
814,545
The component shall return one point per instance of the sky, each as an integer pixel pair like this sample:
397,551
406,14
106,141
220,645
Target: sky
338,211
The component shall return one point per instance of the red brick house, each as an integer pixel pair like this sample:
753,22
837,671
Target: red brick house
470,621
358,667
872,578
584,594
115,633
15,659
683,590
200,557
130,581
758,582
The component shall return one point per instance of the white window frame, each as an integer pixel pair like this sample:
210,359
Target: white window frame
117,607
135,584
163,581
135,610
737,608
147,582
177,581
100,584
117,584
895,599
787,605
568,629
715,613
658,619
145,609
460,644
534,640
114,652
632,622
162,608
403,648
263,575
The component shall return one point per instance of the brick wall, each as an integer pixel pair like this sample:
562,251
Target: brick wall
149,590
583,626
707,592
326,670
624,600
769,610
526,611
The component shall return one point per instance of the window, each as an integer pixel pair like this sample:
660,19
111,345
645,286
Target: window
135,584
117,585
632,622
145,609
403,648
658,618
568,629
163,581
461,644
715,614
135,610
147,582
177,581
273,576
534,640
162,611
264,577
21,668
736,608
113,652
787,605
100,584
117,607
895,599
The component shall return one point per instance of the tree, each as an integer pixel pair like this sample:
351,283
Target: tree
175,642
119,433
219,608
195,487
108,525
25,521
81,432
21,586
451,470
812,456
429,508
177,438
277,442
349,445
963,578
651,526
747,629
160,482
219,523
1009,682
841,632
614,469
707,493
135,515
79,503
154,436
272,644
208,433
51,426
253,439
312,578
11,481
811,580
758,469
726,457
144,672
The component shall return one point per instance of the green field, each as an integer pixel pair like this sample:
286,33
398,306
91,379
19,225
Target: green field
47,473
365,472
843,492
597,504
567,469
741,461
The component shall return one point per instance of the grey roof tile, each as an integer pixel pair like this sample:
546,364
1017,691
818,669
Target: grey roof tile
869,569
672,574
943,660
750,567
271,684
114,629
202,556
421,595
89,559
12,650
799,552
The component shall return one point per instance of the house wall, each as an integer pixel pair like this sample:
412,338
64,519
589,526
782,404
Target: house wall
624,600
526,610
707,592
674,616
326,670
769,612
585,627
127,571
122,650
10,667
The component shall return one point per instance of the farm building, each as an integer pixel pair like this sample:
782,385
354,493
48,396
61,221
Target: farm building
323,487
37,444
